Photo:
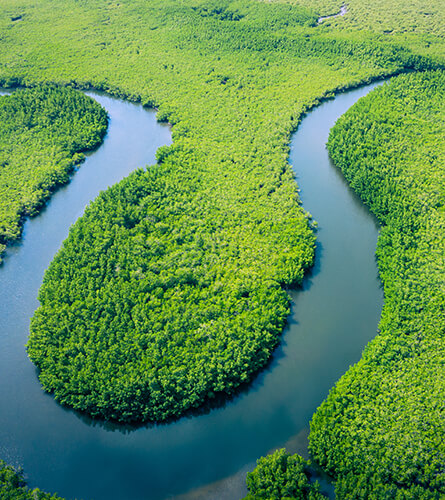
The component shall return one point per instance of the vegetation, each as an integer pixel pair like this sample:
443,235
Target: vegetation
413,23
380,432
140,321
13,486
171,287
42,132
282,476
169,290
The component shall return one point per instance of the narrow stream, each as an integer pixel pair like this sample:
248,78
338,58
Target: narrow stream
205,456
343,11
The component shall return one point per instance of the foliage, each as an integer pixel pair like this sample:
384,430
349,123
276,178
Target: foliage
282,476
412,23
13,486
390,18
170,287
42,132
381,430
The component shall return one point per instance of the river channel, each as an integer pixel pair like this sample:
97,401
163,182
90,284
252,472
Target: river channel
333,317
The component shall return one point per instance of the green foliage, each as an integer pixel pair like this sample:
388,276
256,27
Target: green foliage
412,23
13,486
42,132
179,268
169,290
282,476
413,17
381,430
139,321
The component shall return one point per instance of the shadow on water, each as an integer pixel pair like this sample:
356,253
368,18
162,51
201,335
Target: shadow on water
358,203
313,272
207,453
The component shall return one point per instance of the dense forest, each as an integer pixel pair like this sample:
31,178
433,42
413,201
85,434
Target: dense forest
171,287
140,322
43,132
380,432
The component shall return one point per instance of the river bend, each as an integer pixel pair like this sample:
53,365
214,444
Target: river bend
205,457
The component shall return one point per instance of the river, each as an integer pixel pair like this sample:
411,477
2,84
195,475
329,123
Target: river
333,317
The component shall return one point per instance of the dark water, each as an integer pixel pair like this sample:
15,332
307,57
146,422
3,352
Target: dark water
206,456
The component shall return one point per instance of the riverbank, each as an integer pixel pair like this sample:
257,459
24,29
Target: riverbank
390,147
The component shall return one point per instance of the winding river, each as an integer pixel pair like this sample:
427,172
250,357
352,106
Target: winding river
207,456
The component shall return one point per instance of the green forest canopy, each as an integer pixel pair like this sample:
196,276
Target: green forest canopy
281,475
234,79
42,134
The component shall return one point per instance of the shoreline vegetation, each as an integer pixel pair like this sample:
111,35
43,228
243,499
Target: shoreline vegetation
13,486
282,475
183,265
44,132
390,147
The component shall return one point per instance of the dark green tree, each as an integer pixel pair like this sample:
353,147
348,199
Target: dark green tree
282,476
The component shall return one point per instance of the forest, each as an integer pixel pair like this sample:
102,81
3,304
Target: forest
44,132
172,287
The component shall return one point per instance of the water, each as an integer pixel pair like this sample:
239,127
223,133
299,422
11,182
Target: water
343,11
206,456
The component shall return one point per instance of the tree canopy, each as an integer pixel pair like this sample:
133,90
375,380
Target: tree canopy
43,132
281,475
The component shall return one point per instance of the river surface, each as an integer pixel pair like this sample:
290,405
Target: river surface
206,456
